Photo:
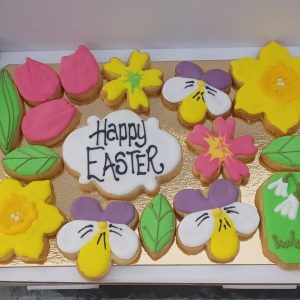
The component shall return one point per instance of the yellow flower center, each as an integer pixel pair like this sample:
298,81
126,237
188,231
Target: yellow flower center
218,148
16,214
281,83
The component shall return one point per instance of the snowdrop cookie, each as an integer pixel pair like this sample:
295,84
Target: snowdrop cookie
80,76
217,78
269,89
11,113
278,202
37,82
215,222
134,81
157,227
282,154
194,100
49,123
220,152
122,155
97,242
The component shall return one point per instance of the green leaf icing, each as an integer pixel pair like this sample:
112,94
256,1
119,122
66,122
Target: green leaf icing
282,234
10,111
30,160
284,150
157,224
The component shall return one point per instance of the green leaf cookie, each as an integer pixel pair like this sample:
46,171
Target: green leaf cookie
157,226
283,153
32,161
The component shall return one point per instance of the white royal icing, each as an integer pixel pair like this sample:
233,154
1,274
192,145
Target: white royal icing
280,187
126,154
289,207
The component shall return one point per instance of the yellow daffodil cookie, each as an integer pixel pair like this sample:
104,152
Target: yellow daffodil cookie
134,81
26,219
269,89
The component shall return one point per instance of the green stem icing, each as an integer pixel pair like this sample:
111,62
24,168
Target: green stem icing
10,111
134,79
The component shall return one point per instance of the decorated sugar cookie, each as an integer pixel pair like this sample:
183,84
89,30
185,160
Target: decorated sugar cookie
194,99
217,78
80,76
282,154
32,162
134,81
11,112
95,241
220,152
215,222
122,155
49,123
37,82
27,219
278,202
269,89
157,227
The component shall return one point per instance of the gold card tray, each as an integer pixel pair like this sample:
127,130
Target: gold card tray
67,188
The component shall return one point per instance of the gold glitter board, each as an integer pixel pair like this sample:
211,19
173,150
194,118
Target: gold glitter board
67,188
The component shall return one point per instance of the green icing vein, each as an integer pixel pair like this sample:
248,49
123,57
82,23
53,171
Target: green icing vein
10,111
157,224
30,160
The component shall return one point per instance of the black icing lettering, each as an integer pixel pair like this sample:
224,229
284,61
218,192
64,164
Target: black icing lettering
132,133
151,153
131,154
120,162
111,133
108,164
122,133
141,135
91,162
98,132
140,164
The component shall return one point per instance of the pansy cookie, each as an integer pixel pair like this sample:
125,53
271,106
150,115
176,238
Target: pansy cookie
27,219
194,98
134,81
215,222
220,152
97,237
278,201
269,89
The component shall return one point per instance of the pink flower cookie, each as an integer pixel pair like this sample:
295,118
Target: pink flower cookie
220,152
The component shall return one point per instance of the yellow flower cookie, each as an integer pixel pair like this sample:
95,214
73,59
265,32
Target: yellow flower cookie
135,81
25,219
269,89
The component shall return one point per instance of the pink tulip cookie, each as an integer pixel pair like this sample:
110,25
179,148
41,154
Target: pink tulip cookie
219,152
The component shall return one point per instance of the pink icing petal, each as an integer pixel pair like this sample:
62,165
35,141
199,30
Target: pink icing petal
48,120
243,145
224,128
197,136
36,81
206,166
79,72
235,169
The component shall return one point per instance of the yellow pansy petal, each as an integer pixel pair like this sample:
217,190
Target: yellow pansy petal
137,98
152,78
138,61
244,70
38,191
192,111
115,66
273,53
10,185
114,89
283,117
251,99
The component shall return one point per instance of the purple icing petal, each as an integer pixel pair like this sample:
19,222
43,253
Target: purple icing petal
218,78
223,192
189,70
191,200
85,208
